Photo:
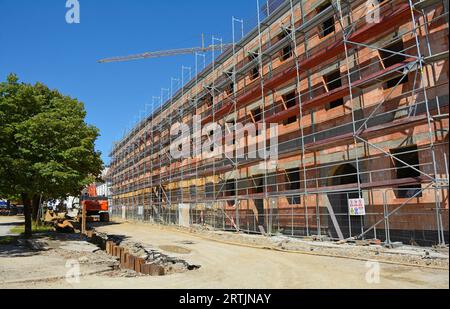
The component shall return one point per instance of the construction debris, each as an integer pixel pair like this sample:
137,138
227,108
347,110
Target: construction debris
59,222
52,216
138,258
64,226
80,246
34,244
145,260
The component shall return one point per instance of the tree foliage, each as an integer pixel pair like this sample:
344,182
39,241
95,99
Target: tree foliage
46,147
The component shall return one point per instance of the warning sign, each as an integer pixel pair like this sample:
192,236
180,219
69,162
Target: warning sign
357,207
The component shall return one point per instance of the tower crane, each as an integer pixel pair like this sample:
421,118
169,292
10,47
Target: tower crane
168,53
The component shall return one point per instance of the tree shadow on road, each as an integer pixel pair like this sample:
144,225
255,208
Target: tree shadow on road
10,246
12,224
18,246
100,224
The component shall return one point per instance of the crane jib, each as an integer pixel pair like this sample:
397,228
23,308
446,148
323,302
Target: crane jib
166,53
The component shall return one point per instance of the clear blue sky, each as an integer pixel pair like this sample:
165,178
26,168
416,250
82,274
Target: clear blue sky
37,44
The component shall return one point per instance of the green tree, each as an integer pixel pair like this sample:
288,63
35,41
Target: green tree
46,147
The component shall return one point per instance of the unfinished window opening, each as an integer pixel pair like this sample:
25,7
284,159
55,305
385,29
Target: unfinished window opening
258,183
286,52
290,101
254,72
389,59
230,191
293,183
208,99
209,190
333,81
193,190
230,129
410,156
328,26
230,86
257,114
257,117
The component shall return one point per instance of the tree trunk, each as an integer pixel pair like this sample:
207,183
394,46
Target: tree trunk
27,214
35,207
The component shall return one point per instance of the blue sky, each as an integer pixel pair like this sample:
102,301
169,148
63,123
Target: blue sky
38,45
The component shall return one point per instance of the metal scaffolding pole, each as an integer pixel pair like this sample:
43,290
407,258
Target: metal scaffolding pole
264,124
198,135
293,37
352,100
349,80
183,69
441,236
212,91
145,179
171,111
235,117
161,155
152,185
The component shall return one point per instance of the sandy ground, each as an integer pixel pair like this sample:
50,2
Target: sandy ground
48,259
235,267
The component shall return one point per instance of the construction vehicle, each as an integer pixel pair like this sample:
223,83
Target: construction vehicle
96,207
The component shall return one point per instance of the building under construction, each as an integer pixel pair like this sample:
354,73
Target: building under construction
359,90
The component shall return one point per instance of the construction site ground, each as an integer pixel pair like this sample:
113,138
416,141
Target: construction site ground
226,260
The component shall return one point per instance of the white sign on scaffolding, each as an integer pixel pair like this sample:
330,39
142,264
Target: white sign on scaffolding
124,212
357,207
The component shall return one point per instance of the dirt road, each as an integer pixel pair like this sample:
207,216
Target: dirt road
231,266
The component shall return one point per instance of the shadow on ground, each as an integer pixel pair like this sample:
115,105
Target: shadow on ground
12,224
10,246
100,224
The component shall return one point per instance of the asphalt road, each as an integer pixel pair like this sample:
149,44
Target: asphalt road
7,223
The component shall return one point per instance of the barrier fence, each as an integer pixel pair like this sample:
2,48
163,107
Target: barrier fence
390,216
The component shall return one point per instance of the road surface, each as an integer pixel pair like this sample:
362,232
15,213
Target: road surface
238,267
232,266
7,223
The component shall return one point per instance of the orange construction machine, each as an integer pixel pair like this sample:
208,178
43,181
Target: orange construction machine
97,209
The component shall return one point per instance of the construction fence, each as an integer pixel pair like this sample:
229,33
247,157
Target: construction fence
406,221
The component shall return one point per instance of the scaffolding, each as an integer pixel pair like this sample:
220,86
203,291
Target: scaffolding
359,90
